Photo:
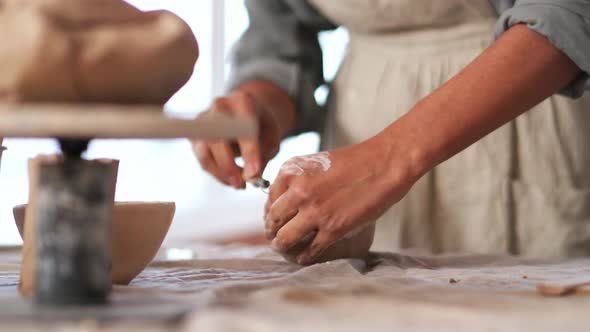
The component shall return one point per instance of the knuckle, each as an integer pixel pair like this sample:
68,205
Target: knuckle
313,213
301,190
239,94
283,177
219,104
205,160
243,97
331,229
316,208
276,225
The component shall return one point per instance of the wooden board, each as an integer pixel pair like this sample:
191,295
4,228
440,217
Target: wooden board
115,121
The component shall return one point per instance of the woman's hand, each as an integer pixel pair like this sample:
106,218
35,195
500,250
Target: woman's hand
320,199
262,102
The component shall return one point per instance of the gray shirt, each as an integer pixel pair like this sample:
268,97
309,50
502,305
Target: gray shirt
281,44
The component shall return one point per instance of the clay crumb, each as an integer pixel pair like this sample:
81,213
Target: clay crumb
453,281
525,277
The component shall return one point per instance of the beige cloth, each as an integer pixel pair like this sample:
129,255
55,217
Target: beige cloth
252,289
524,189
103,51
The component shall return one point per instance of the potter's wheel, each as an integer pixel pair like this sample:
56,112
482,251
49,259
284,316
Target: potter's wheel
83,121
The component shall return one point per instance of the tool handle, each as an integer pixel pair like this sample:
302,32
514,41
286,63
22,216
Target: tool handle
116,121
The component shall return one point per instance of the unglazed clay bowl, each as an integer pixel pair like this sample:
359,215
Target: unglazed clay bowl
139,228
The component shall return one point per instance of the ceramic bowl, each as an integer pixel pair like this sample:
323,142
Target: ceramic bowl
139,228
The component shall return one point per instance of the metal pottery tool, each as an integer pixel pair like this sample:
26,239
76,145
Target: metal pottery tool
75,198
259,182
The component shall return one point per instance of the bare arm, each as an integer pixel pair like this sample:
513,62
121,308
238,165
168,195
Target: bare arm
365,179
517,72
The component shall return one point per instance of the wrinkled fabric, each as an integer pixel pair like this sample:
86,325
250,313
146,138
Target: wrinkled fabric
281,43
102,51
253,289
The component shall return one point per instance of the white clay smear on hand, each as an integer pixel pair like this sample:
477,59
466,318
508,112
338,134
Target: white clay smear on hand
307,165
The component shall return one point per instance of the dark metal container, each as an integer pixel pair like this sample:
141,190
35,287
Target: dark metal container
74,210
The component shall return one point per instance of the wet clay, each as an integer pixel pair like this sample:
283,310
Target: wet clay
307,165
103,51
354,246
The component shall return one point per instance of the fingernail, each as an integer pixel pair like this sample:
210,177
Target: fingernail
235,181
302,260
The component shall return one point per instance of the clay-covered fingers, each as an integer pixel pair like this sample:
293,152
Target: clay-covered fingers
297,230
278,188
281,211
312,252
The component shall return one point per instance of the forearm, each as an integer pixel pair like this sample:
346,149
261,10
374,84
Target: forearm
275,101
517,72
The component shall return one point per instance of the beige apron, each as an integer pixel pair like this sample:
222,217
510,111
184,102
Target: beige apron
524,189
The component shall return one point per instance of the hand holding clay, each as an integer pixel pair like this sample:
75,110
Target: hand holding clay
319,201
250,102
100,51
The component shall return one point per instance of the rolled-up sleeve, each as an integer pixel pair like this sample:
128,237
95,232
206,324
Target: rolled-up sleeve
566,23
281,46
